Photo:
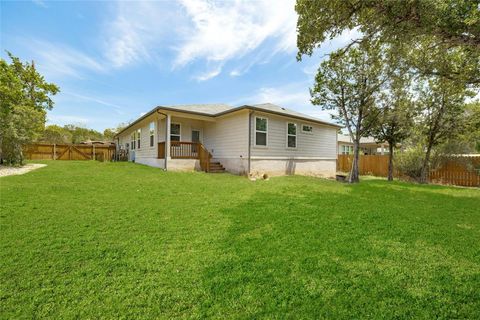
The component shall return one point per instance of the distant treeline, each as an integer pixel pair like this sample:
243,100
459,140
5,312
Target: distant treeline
74,134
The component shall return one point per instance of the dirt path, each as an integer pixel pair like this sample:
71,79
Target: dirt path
10,171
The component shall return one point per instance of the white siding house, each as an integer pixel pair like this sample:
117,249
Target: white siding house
247,140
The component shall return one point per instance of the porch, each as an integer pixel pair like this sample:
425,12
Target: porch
184,150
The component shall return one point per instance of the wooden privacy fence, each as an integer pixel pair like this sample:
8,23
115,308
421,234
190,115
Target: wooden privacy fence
69,152
458,170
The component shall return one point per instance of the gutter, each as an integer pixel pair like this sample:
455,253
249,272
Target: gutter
249,140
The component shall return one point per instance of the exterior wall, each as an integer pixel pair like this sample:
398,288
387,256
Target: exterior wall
152,162
183,165
321,143
315,153
234,165
145,151
320,168
227,140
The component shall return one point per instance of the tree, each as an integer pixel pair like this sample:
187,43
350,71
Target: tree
472,126
395,113
349,83
441,103
441,25
56,134
25,97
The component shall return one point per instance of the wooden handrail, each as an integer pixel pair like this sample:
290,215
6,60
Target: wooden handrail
184,150
187,150
204,157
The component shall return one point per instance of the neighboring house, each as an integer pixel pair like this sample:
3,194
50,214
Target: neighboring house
251,139
368,146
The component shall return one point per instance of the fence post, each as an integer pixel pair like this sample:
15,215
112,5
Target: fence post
93,146
54,151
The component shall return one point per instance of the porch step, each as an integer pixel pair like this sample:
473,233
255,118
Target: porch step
216,167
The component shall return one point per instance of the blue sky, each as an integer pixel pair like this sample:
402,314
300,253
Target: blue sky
115,60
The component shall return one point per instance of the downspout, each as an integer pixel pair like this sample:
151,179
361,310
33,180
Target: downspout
249,139
166,132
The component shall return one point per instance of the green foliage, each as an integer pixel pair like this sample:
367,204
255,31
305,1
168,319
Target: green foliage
410,161
25,97
349,84
56,134
119,240
428,28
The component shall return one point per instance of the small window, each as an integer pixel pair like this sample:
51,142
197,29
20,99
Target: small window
291,135
175,132
152,133
133,140
347,149
307,128
261,127
139,131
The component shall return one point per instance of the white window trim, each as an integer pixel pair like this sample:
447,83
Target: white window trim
139,138
133,140
293,135
255,133
179,135
150,134
308,125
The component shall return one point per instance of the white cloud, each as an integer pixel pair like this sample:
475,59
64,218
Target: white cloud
210,31
222,31
117,108
40,3
209,74
58,60
136,31
295,96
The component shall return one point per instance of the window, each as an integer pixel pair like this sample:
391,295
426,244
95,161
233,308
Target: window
133,140
307,129
291,135
175,132
139,131
261,127
152,133
347,149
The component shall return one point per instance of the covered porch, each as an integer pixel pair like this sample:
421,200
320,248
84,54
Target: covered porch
181,142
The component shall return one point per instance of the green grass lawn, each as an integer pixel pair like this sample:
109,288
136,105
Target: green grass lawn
119,240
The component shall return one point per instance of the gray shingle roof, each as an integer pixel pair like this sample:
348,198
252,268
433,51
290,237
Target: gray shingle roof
210,109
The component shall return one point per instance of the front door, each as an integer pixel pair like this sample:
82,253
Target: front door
195,135
195,138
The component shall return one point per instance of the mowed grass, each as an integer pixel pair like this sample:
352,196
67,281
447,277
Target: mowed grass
119,240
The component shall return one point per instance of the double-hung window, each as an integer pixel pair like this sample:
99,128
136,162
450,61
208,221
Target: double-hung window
175,132
152,133
291,135
261,127
133,140
139,133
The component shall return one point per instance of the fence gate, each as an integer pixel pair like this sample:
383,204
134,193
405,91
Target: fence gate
69,152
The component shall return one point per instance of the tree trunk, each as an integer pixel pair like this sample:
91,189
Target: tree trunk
354,172
425,166
390,162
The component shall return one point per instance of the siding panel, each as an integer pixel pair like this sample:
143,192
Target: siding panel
320,143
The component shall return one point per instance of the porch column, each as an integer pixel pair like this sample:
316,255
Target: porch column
167,138
382,150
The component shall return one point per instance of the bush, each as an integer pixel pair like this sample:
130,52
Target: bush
409,163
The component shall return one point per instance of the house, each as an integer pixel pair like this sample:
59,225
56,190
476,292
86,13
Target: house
246,140
368,146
